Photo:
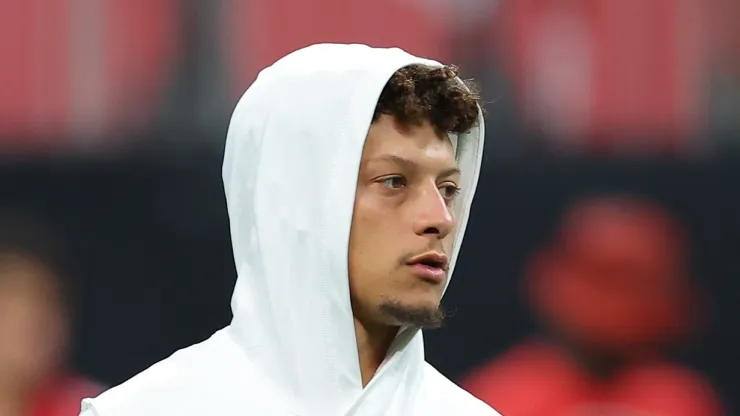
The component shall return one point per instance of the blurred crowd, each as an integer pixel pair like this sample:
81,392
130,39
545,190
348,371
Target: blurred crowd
36,318
612,289
614,295
574,75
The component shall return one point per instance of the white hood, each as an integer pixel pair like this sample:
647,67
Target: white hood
290,171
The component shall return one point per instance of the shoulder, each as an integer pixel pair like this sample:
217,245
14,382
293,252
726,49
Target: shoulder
186,383
676,386
523,371
62,395
154,388
446,397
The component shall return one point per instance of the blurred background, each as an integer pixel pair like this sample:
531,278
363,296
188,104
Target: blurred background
600,272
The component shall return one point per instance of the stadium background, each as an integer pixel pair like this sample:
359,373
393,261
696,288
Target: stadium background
113,116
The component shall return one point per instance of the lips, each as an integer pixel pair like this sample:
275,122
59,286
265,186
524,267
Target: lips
431,267
433,263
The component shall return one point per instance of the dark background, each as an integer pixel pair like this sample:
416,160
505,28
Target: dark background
157,272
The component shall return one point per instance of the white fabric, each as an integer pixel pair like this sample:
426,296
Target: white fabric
290,171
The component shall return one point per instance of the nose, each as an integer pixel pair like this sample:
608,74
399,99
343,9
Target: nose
434,216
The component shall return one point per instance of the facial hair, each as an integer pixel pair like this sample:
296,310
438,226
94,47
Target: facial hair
420,317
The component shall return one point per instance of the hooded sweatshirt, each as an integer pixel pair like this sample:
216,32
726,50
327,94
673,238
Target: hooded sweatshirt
292,157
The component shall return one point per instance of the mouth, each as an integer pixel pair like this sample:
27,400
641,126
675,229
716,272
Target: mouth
431,267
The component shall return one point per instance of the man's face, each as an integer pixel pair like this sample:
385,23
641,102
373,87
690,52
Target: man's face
403,223
32,322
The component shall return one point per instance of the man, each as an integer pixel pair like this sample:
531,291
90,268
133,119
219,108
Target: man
35,324
349,173
615,294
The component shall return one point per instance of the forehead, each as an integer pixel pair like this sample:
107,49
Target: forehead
421,144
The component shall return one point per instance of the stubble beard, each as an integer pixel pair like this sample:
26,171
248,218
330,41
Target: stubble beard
406,315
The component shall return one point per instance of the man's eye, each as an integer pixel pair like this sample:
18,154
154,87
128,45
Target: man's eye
449,192
394,182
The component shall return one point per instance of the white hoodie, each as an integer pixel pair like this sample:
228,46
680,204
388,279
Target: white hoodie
290,170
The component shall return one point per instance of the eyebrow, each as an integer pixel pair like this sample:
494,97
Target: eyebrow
410,164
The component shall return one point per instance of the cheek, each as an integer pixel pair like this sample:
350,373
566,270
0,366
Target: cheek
375,246
373,228
448,242
370,247
363,244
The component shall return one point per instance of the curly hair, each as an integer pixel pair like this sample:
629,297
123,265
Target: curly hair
420,93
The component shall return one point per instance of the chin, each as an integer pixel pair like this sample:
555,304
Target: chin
420,314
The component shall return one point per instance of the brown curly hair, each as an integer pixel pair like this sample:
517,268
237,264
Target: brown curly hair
418,93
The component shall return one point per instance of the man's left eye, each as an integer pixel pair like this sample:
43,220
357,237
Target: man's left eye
450,191
394,182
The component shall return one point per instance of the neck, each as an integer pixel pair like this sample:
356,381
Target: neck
600,364
373,342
